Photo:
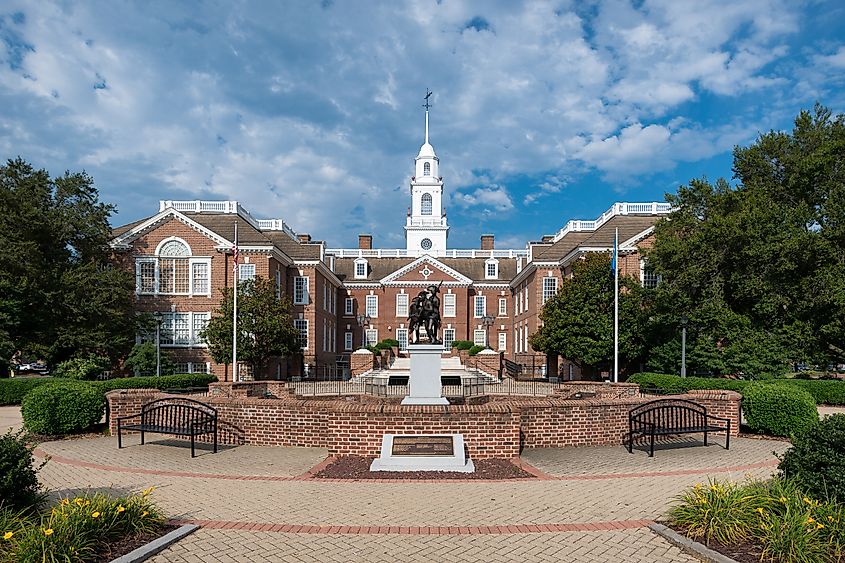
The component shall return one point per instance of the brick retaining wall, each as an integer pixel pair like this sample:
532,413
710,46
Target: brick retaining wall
498,428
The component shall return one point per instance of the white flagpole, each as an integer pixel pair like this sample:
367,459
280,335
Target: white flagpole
616,307
235,276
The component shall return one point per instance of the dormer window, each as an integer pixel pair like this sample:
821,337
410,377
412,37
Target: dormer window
427,169
425,204
360,268
491,269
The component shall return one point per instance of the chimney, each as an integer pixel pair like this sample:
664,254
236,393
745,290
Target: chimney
365,242
487,242
304,237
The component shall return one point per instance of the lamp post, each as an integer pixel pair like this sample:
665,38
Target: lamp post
684,321
487,322
363,320
158,318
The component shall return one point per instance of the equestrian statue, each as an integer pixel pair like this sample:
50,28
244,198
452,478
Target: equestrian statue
425,312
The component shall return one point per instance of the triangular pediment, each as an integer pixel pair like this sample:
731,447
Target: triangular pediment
426,270
161,218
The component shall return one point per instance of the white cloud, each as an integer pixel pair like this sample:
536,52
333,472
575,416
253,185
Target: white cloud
489,198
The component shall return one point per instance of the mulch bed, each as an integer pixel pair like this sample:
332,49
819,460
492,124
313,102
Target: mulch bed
123,546
357,467
745,552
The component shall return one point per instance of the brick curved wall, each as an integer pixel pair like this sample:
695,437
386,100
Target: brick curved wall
497,428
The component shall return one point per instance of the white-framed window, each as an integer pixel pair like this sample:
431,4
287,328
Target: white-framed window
246,272
525,343
402,337
449,300
349,307
360,268
526,297
479,338
347,341
372,306
278,281
325,335
302,326
519,299
371,336
300,290
491,269
426,169
549,288
503,341
648,278
181,329
480,308
199,322
402,305
198,367
425,204
448,338
325,297
503,306
173,271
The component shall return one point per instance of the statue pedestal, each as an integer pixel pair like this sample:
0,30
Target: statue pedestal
424,381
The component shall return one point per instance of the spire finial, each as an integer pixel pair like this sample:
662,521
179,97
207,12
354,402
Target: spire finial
427,105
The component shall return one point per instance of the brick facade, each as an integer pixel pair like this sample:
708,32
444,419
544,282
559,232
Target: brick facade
496,428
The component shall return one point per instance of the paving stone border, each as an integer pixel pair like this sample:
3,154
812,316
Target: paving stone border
157,545
687,545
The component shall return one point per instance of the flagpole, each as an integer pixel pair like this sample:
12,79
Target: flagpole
616,307
235,276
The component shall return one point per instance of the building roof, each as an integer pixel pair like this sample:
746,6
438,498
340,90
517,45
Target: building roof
628,225
378,268
117,231
223,224
293,248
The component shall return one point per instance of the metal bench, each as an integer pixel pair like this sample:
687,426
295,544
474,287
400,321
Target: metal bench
666,417
181,417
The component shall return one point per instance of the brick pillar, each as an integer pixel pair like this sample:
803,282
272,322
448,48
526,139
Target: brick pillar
126,402
361,361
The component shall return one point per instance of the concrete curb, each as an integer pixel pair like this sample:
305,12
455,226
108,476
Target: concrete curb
146,551
697,550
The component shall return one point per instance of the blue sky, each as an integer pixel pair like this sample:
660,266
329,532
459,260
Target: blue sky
311,111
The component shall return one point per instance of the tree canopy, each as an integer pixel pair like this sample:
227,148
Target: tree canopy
759,267
59,296
265,325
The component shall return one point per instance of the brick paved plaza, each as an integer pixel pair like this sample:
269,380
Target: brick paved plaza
261,504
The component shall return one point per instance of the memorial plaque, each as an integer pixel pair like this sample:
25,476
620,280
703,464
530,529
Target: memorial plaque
423,446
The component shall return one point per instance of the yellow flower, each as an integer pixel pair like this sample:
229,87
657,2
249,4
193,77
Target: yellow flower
120,509
95,515
144,513
48,532
8,535
65,501
810,520
783,500
830,518
145,492
760,510
78,501
819,526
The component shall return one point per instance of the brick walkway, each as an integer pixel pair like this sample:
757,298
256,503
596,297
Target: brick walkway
260,504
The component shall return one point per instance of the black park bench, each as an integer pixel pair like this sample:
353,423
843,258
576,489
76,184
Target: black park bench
182,417
666,417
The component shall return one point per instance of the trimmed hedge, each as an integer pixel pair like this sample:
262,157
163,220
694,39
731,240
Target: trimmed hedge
824,392
62,408
463,344
816,461
475,349
778,410
13,390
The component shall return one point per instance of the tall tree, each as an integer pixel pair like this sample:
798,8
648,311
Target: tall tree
759,267
59,296
265,325
578,320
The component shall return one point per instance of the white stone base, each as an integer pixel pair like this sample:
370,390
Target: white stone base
424,381
389,462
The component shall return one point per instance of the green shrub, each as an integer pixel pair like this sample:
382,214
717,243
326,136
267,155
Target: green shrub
83,368
778,410
475,350
13,390
144,358
78,529
383,345
825,392
817,459
164,382
463,344
62,408
19,488
390,342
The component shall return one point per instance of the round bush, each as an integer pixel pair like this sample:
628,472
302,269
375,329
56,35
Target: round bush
778,410
475,350
816,461
62,408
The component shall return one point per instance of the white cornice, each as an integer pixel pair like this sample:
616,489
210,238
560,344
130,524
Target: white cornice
459,277
123,240
322,268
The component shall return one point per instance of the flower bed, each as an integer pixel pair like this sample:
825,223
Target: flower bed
768,521
78,529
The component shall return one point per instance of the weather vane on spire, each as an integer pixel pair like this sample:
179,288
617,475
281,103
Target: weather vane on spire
428,94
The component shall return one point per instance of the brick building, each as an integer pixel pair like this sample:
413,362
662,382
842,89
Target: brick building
345,298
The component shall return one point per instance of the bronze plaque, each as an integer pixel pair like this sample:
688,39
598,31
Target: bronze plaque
423,446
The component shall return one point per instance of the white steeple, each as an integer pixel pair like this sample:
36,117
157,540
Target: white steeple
426,229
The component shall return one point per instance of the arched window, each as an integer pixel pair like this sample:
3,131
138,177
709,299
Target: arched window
425,204
427,169
174,248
